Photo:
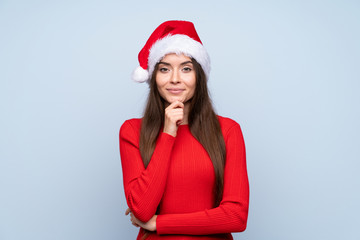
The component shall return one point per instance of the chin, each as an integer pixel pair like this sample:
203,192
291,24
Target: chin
171,100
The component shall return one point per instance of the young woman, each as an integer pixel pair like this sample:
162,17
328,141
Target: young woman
184,167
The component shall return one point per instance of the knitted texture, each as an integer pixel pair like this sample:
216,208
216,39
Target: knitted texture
179,180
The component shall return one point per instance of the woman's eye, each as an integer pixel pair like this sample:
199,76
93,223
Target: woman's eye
163,69
187,69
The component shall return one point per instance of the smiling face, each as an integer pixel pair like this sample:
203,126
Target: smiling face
176,78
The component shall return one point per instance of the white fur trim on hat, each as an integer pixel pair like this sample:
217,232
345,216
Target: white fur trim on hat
140,75
178,44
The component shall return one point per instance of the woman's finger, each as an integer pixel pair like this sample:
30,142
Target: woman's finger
135,224
174,115
134,220
176,104
127,211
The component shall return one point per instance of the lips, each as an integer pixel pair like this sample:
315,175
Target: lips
175,90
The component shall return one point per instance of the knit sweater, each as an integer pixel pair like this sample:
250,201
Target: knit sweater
179,180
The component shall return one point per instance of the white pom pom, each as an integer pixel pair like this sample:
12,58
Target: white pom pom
140,75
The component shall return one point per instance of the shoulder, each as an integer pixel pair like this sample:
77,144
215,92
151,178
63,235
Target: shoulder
131,126
227,124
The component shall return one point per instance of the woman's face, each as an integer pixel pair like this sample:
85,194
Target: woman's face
176,78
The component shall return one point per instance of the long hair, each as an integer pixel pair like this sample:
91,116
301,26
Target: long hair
203,123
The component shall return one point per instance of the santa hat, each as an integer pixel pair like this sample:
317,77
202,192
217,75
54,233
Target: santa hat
171,37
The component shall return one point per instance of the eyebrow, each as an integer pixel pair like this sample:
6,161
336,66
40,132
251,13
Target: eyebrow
168,64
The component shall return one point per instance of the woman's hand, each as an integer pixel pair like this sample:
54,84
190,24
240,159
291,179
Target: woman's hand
174,116
150,225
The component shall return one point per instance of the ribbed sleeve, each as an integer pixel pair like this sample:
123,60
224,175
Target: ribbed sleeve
231,215
143,187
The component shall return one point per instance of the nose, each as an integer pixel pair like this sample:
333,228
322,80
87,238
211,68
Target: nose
175,78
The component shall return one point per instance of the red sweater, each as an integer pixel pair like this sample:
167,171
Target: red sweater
179,180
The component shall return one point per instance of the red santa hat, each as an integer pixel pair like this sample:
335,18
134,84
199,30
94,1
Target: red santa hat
171,37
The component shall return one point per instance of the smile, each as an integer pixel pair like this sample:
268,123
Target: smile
175,90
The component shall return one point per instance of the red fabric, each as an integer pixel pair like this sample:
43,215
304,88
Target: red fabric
167,28
178,183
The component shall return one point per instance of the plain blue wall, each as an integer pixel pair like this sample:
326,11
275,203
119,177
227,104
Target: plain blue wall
287,71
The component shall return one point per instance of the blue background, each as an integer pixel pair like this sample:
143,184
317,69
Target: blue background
287,71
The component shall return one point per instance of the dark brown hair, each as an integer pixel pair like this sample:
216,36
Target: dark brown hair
203,123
